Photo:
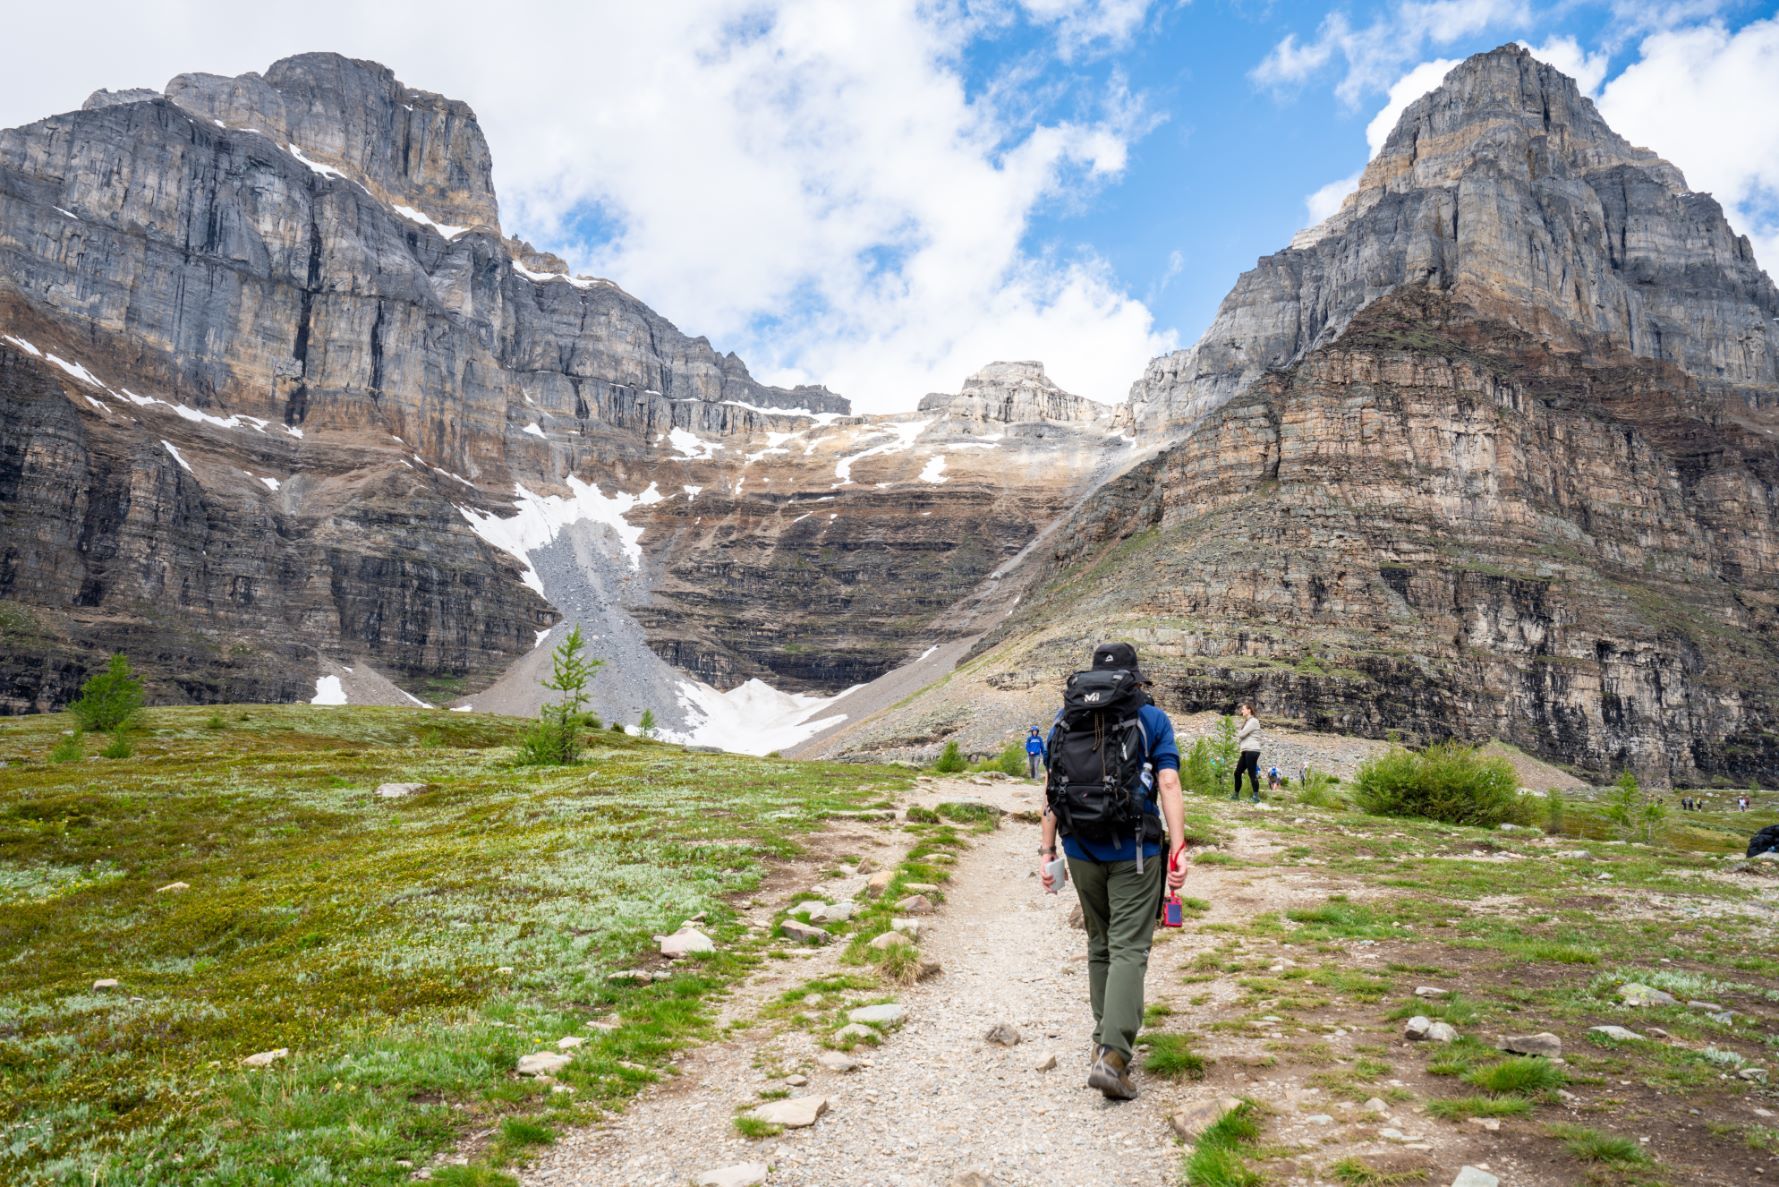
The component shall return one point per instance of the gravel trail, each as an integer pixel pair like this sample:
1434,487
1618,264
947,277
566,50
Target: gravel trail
935,1101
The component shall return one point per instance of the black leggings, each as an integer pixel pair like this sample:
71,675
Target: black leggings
1250,763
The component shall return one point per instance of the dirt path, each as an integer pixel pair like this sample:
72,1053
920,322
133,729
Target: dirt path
936,1101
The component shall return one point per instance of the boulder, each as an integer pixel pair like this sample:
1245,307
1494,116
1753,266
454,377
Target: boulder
883,1014
1046,1062
891,939
795,1112
570,1042
265,1058
542,1063
1421,1029
1190,1121
104,983
919,887
395,791
803,933
1003,1034
837,1061
1470,1176
1543,1043
685,941
832,912
1616,1033
1634,994
740,1174
798,1080
173,888
879,882
915,904
1430,991
908,927
630,977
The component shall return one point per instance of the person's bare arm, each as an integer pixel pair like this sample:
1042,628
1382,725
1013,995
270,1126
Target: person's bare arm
1046,846
1173,810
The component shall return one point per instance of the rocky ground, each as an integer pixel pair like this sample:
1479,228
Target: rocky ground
1313,1028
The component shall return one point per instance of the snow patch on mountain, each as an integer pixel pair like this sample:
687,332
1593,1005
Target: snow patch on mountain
752,718
541,517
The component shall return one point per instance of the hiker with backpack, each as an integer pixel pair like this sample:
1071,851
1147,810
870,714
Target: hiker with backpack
1248,738
1114,778
1034,752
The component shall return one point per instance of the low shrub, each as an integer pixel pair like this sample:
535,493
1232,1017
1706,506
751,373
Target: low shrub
109,700
69,749
1448,782
951,760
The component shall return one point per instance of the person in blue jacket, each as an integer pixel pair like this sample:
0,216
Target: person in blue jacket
1034,752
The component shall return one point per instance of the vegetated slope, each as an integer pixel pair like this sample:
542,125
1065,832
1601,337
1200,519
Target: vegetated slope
248,890
1470,498
1436,526
265,351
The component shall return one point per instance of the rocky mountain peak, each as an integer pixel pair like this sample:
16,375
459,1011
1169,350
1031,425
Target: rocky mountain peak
407,146
1017,392
1505,189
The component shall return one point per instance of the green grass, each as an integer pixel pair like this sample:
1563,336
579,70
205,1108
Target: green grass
753,1127
1590,1145
1356,1172
1171,1057
365,935
1520,1075
1216,1159
1457,1108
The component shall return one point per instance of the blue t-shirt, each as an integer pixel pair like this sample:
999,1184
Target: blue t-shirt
1034,744
1164,755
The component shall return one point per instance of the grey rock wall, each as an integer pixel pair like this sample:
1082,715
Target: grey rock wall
1504,188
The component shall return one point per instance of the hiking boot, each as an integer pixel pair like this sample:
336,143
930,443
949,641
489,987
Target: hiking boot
1111,1075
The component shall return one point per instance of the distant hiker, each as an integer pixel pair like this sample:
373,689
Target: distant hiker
1034,751
1272,780
1114,777
1248,738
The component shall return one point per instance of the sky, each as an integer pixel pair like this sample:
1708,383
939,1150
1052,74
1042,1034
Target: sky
884,195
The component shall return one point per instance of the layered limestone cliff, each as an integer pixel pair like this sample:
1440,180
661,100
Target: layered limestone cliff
1505,189
1492,453
278,390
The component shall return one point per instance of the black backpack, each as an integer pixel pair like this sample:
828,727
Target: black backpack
1099,779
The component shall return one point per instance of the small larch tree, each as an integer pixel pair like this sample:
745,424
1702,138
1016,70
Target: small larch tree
109,700
559,734
646,723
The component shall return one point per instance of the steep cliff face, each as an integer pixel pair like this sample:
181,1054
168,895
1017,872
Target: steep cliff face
1436,525
1504,188
1492,453
278,390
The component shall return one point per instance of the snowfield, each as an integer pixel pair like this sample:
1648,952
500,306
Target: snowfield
752,718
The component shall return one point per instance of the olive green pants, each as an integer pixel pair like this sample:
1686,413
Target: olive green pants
1118,906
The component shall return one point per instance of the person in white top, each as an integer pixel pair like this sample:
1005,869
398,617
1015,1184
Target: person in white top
1248,738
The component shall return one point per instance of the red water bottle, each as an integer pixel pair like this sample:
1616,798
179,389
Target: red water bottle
1172,913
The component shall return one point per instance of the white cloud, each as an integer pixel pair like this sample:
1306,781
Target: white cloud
1565,53
1325,201
1403,91
1081,24
1704,98
809,183
1377,52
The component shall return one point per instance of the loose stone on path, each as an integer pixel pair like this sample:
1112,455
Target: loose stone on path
742,1174
886,1014
796,1112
